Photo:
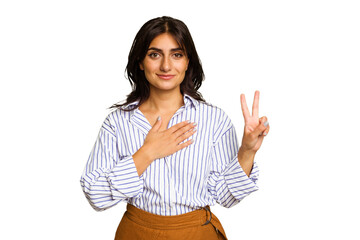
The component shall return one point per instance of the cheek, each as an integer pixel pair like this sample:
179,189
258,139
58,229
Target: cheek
182,67
149,68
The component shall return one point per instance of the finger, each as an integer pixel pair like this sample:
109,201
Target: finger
255,107
185,136
177,126
266,131
244,107
157,124
184,145
184,129
261,127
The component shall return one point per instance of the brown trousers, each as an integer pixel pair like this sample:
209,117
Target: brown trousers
137,224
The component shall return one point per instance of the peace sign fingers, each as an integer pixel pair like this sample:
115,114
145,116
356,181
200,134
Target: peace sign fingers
255,107
255,128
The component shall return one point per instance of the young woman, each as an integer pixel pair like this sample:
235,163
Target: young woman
165,151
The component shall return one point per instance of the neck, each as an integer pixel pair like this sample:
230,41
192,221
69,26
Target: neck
164,101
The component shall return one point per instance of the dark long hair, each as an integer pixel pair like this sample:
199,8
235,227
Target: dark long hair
140,86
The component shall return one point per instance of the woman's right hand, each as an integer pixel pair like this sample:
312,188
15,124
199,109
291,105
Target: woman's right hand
159,144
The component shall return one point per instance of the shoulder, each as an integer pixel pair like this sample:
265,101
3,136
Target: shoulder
117,118
216,119
216,113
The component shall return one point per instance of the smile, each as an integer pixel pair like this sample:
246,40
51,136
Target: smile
165,77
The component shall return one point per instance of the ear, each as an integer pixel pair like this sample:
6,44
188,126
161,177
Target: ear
141,66
187,65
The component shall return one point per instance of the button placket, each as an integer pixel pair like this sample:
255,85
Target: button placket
168,162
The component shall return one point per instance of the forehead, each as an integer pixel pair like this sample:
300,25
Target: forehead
164,41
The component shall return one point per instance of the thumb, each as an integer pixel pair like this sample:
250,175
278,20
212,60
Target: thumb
261,127
157,124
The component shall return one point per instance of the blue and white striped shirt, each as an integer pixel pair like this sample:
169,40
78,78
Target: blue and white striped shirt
203,173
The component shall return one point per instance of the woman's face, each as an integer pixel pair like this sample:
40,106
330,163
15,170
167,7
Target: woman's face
165,63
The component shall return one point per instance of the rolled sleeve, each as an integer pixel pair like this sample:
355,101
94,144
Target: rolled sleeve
239,184
228,183
124,180
109,178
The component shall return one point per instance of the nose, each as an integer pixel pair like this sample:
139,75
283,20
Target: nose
165,65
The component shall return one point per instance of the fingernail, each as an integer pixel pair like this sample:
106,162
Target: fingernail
265,133
158,118
266,123
194,123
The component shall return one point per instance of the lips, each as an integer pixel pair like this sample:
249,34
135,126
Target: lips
165,77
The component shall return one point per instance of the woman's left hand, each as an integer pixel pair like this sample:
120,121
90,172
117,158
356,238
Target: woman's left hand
255,128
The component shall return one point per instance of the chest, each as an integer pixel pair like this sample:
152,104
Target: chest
184,166
165,119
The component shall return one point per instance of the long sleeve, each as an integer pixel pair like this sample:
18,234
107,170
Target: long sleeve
228,184
109,178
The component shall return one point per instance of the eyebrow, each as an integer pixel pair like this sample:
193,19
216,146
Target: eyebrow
171,50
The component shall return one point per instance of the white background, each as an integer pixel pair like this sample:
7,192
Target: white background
62,64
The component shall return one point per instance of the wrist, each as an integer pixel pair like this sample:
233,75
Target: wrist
247,151
146,154
246,160
245,155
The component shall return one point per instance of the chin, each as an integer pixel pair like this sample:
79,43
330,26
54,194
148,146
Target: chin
167,87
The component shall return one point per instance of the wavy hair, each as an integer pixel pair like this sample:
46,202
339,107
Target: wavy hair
194,75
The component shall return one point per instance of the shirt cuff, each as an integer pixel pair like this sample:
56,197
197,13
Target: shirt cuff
124,180
239,184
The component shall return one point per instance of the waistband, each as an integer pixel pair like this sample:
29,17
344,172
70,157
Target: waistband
198,217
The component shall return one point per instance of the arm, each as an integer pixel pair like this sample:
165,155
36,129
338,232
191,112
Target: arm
228,183
109,178
235,173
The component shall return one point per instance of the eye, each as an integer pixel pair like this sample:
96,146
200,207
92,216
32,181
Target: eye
154,55
178,55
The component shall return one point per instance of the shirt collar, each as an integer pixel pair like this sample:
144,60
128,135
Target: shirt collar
130,105
137,118
190,101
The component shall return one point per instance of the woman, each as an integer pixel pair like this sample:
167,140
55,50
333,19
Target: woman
165,151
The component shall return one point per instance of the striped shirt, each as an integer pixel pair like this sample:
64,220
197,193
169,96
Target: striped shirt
203,173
